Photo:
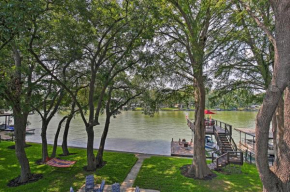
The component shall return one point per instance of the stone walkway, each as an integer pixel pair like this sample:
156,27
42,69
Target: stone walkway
127,185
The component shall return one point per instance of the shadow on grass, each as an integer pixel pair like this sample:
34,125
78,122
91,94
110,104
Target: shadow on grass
163,173
116,170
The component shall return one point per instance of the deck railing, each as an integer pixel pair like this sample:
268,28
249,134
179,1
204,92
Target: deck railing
232,157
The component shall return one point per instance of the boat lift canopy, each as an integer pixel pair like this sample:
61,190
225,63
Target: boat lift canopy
252,132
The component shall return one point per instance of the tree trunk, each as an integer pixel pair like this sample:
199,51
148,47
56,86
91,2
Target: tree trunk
44,141
274,130
56,137
91,160
99,158
199,166
20,131
65,150
276,179
281,166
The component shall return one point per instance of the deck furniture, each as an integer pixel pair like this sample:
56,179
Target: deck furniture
101,187
116,187
89,183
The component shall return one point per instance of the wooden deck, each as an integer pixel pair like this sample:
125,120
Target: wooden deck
209,129
178,149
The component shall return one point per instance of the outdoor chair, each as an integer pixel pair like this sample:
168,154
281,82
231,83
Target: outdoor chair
101,187
116,187
137,189
89,183
71,189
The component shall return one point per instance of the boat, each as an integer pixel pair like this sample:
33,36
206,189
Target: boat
209,143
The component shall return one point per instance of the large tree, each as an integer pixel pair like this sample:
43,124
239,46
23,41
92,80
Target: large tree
20,75
108,33
189,29
277,177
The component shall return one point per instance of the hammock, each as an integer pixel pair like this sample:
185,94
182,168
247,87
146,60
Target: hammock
54,162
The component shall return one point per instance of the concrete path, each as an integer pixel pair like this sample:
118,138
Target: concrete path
127,185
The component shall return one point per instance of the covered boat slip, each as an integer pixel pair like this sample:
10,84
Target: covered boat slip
7,118
247,140
7,130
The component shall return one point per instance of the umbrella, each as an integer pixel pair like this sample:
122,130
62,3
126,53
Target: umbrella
208,112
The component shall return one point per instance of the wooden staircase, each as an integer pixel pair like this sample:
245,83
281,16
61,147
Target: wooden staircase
225,159
227,150
224,145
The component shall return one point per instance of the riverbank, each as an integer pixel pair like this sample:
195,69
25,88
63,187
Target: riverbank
157,172
61,179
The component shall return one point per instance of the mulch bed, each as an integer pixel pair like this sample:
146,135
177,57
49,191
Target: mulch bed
32,178
184,171
13,146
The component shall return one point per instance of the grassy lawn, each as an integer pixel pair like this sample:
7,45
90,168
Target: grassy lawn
163,173
60,179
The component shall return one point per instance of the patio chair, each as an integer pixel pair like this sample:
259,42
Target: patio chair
137,189
89,183
116,187
101,187
71,189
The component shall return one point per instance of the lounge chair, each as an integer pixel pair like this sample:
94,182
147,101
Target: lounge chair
101,187
89,183
116,187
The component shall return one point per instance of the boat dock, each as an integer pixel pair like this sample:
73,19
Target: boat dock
181,148
221,131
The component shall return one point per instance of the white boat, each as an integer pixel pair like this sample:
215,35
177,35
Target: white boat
209,143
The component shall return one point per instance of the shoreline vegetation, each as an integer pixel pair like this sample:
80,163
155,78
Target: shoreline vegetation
157,172
192,109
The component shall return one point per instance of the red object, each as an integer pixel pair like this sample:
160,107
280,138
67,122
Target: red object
208,112
47,159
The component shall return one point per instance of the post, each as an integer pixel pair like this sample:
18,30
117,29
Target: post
228,157
212,157
226,129
242,158
250,157
217,163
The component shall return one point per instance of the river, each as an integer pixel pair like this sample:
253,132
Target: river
133,131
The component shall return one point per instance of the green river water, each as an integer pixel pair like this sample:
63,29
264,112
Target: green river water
134,132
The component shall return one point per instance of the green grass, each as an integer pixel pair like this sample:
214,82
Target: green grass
60,179
163,173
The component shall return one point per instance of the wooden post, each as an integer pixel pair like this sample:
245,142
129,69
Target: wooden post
217,163
228,157
250,157
242,158
212,157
